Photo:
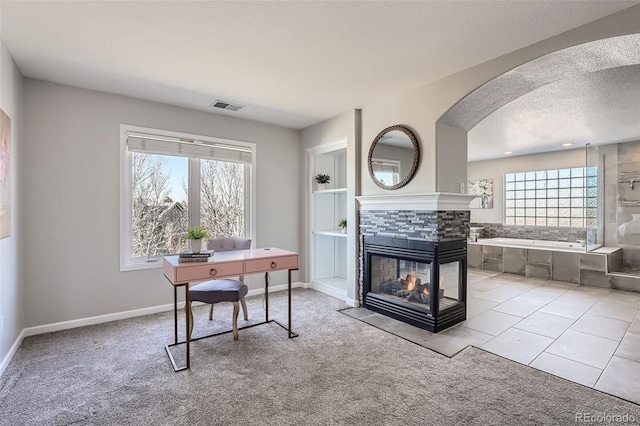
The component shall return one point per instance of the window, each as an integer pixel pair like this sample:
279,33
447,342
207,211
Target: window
387,172
561,197
172,181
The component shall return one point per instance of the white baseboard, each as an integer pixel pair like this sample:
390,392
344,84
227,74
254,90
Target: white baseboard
352,302
81,322
9,356
338,294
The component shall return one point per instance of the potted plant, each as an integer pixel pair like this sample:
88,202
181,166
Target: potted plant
322,180
343,225
195,236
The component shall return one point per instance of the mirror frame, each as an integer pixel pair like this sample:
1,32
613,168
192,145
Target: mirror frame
416,156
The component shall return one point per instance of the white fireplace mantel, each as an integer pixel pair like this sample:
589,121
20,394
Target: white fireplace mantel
437,201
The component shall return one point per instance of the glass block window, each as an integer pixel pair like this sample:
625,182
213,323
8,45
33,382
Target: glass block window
559,197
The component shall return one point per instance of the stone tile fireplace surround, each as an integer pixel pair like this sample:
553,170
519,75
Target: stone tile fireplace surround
438,218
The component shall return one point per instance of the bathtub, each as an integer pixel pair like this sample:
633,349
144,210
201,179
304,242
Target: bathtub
549,260
533,244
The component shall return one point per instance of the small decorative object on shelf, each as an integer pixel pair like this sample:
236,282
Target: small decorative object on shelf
343,225
195,236
322,180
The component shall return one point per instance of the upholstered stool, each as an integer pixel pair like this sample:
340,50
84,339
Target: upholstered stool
216,291
221,290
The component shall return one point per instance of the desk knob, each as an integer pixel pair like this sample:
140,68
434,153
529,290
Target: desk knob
273,265
213,272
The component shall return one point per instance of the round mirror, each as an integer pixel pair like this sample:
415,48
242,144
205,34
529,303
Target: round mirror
394,157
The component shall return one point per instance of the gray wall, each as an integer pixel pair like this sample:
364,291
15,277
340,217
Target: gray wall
11,260
421,108
72,198
443,166
613,158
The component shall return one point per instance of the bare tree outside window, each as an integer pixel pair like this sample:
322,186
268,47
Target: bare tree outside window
222,198
157,221
176,182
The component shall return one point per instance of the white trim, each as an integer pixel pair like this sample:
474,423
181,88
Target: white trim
126,262
99,319
333,190
436,201
352,302
331,291
81,322
9,356
340,143
254,201
325,148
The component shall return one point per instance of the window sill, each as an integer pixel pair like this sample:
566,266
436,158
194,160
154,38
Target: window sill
136,265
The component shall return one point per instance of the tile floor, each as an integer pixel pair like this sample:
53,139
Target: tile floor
588,335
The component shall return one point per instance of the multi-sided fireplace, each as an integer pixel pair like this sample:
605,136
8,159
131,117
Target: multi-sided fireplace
422,283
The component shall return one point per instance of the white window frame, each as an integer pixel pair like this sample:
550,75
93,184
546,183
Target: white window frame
396,164
535,182
127,263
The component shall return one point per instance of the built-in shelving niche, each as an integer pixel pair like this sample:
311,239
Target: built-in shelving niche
328,244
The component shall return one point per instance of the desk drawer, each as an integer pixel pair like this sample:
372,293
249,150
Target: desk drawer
271,264
208,271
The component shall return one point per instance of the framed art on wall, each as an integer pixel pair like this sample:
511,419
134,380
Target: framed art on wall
483,189
5,175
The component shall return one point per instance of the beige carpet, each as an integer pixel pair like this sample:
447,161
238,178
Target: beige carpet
339,371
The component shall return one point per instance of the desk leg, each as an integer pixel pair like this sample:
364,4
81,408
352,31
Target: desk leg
289,306
266,296
187,321
175,315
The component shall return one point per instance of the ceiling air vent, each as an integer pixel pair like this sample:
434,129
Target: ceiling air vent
227,105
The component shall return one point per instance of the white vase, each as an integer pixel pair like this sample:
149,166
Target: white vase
322,186
195,246
344,230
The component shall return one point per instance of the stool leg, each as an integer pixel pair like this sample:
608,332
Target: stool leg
189,312
244,309
236,309
211,312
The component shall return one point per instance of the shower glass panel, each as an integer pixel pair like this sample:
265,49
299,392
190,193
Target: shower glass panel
594,205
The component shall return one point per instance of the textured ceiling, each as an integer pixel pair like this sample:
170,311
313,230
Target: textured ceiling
584,94
290,63
565,64
599,107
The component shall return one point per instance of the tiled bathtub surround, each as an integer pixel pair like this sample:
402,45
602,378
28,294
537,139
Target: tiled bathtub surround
578,268
549,233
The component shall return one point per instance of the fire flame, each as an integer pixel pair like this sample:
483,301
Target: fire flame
411,282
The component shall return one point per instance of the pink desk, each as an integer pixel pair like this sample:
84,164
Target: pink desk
222,265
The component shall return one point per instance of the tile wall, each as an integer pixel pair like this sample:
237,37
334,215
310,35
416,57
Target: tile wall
549,233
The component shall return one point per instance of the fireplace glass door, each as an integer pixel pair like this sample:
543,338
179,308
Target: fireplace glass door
450,284
422,283
411,281
402,280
